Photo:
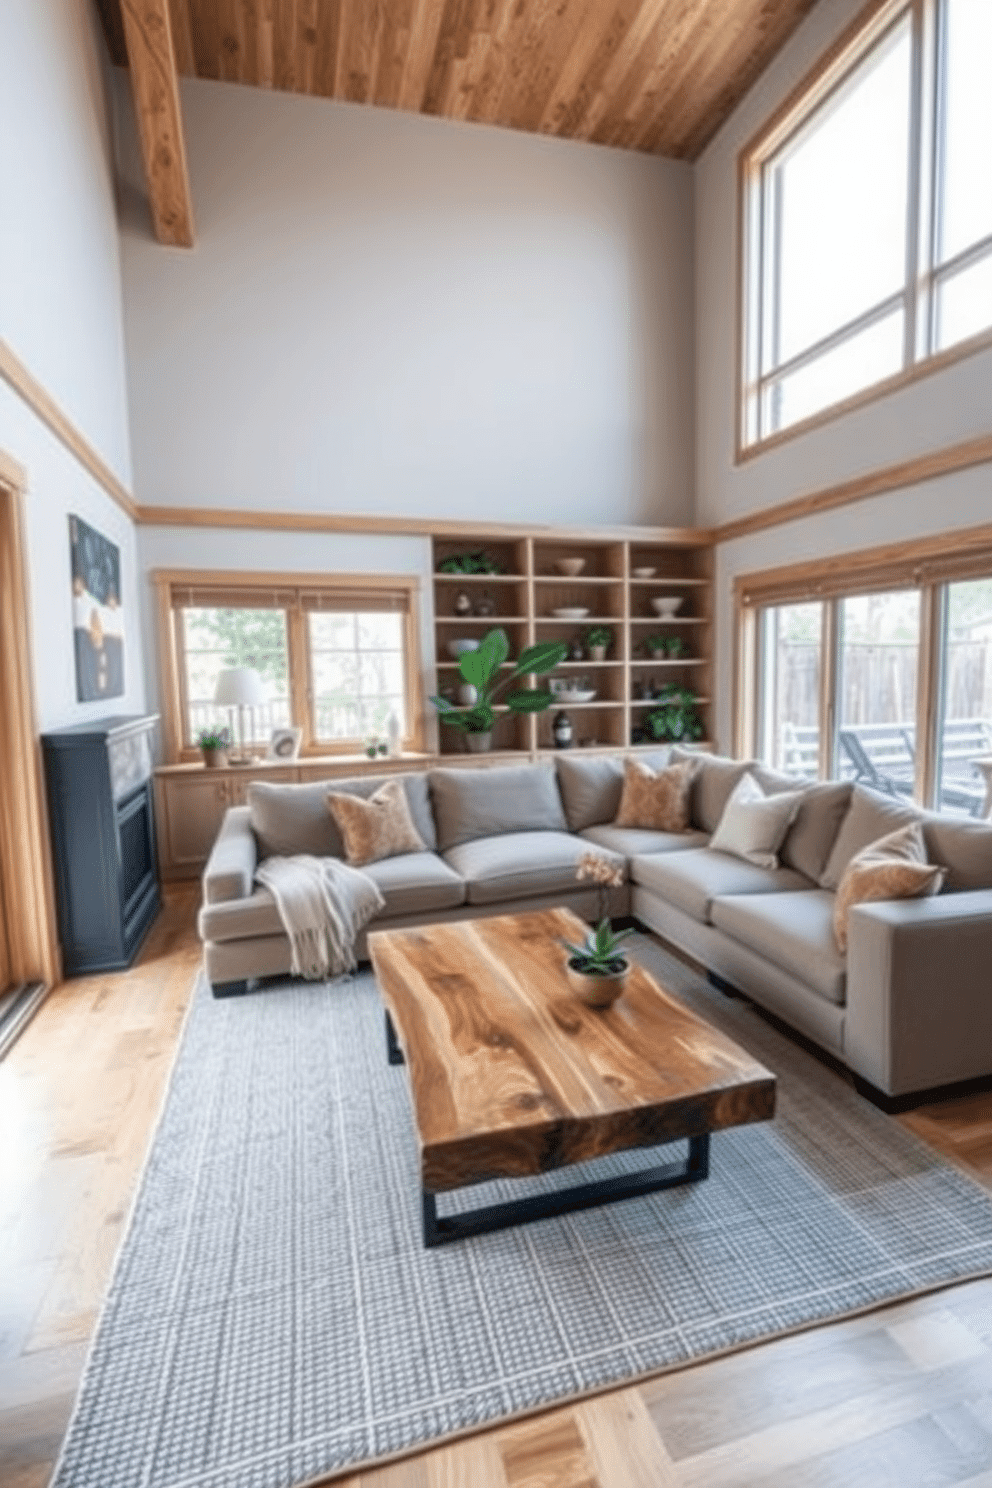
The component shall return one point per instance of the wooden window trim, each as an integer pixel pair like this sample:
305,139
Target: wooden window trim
924,564
296,593
924,274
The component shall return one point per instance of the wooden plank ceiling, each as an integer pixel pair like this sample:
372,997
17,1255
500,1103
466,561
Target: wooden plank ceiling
658,76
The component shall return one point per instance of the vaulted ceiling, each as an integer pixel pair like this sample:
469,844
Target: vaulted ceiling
653,75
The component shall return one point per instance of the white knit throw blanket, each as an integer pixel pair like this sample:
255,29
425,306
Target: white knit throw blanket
323,904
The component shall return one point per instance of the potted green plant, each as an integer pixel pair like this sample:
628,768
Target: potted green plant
480,669
478,562
213,744
676,719
674,647
598,640
655,645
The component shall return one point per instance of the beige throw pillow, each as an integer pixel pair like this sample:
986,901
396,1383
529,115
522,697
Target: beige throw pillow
380,827
894,867
656,800
753,825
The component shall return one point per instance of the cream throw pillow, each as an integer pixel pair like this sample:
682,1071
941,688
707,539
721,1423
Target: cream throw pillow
379,827
656,800
753,825
894,867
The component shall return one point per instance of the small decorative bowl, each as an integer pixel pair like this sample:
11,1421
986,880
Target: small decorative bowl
643,573
597,991
666,605
570,567
455,648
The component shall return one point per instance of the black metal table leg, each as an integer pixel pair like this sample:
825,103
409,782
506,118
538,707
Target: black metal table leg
439,1231
392,1047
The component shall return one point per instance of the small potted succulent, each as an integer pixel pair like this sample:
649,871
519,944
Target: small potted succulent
214,743
597,969
598,640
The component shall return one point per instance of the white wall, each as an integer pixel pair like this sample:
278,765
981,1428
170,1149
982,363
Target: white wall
396,314
941,409
60,311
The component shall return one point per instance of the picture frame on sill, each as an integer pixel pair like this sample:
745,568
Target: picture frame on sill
284,744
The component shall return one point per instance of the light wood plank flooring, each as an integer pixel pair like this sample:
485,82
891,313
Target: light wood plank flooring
900,1398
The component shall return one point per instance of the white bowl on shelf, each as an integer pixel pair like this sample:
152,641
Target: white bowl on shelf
455,648
643,573
570,567
666,606
577,695
570,612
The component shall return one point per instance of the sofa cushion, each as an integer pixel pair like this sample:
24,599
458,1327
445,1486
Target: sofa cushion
894,867
793,930
415,883
487,803
810,840
289,819
711,788
517,865
869,817
629,841
591,785
381,827
754,825
964,847
692,880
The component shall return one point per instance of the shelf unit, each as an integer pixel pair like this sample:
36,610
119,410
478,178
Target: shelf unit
522,599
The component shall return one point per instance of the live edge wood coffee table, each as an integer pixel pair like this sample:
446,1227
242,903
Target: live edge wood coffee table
511,1075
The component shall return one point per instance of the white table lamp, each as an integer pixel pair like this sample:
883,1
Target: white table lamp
241,688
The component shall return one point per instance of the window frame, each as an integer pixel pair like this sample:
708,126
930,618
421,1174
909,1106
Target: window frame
924,275
927,566
299,593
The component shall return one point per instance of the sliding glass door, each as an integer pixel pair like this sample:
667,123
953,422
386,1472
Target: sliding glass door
878,648
964,752
791,679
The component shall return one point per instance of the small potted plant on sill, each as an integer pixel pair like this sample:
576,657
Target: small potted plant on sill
599,639
480,669
213,744
597,969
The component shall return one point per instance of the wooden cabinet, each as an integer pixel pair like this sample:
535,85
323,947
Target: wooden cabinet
538,595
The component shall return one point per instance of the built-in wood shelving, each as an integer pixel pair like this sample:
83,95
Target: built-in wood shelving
530,588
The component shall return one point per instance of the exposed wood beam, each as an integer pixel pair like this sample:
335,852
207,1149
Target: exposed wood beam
155,80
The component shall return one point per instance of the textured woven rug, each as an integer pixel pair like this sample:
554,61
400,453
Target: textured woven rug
274,1317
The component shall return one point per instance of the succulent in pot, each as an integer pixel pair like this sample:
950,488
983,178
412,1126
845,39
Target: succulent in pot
597,970
480,669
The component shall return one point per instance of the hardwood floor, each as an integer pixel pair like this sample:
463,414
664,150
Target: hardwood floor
899,1398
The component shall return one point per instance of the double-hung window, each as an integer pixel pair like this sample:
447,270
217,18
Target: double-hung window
867,216
336,655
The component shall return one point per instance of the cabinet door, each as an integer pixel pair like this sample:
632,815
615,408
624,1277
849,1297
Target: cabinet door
192,811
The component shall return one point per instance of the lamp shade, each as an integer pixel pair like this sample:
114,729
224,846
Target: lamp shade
240,687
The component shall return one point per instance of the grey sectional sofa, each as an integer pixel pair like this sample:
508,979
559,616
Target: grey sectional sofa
909,1008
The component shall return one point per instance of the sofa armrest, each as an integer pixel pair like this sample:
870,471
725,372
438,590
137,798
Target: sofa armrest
230,870
919,991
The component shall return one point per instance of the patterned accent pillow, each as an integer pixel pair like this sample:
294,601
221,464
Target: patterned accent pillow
380,827
656,800
753,825
894,867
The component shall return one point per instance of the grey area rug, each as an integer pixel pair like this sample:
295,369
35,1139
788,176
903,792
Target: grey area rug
274,1317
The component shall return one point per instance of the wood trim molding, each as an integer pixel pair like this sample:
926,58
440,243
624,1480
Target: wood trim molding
41,403
226,517
155,82
25,853
876,483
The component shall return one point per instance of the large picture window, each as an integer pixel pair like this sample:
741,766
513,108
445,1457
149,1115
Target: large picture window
336,656
867,216
884,679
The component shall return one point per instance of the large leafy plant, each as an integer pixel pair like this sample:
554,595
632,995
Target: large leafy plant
481,669
676,718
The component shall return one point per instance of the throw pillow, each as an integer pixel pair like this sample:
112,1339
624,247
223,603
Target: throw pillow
656,800
754,825
713,784
380,827
894,867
